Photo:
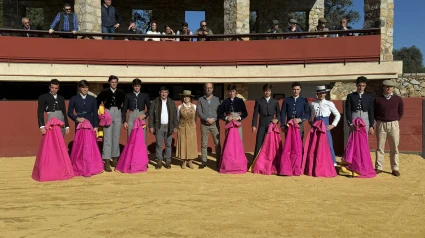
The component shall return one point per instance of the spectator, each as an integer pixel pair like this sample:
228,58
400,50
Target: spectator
111,19
184,31
344,27
132,30
293,27
204,31
27,27
153,31
320,27
275,29
67,21
168,31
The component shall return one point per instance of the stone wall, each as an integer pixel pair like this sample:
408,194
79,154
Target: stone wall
407,85
88,13
236,16
316,12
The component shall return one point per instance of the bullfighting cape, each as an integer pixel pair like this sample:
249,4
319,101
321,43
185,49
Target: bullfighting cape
292,156
317,159
267,161
85,155
105,119
357,153
233,159
134,158
52,161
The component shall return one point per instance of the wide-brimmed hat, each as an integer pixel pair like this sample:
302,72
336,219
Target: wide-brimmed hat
186,93
388,83
293,21
321,89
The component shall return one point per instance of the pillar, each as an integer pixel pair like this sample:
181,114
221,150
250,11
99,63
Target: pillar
380,14
236,16
89,15
316,12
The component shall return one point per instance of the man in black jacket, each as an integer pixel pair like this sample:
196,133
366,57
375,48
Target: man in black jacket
54,105
360,104
110,17
344,27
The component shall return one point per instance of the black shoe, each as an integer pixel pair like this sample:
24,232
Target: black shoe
158,165
203,165
114,162
168,165
107,165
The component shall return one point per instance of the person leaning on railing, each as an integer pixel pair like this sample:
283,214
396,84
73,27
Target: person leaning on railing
293,27
132,30
153,31
344,27
67,21
184,31
204,31
320,27
26,26
168,31
275,29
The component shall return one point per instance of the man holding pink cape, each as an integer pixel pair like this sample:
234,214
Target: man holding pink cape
233,159
267,161
291,159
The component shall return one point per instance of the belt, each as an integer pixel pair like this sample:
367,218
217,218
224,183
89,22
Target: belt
164,124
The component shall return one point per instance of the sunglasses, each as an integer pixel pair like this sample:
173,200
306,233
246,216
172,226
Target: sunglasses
67,9
204,25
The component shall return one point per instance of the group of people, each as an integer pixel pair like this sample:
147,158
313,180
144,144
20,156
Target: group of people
130,110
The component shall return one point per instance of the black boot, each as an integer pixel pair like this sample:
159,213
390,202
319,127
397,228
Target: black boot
114,162
158,164
107,165
203,165
168,165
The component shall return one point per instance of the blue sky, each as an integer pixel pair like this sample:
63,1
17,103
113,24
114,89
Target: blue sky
407,14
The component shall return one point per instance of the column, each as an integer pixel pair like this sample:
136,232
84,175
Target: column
316,12
236,16
89,14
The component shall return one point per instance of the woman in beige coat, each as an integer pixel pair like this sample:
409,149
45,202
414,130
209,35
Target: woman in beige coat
187,146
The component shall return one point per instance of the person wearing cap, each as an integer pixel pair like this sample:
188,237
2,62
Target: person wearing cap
344,27
293,27
388,111
204,31
321,110
138,104
320,27
184,31
187,148
360,104
274,29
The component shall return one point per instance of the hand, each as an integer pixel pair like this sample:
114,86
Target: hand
43,130
229,118
371,130
73,32
175,130
51,31
125,39
254,130
95,130
330,127
284,130
126,125
297,120
210,121
116,26
152,130
236,119
205,32
275,121
66,130
80,119
142,117
199,32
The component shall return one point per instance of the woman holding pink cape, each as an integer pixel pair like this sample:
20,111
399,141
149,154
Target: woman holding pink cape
52,161
233,159
357,160
267,161
291,160
134,158
85,155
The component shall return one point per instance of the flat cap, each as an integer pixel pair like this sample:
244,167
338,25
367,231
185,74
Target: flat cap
388,83
293,21
275,22
323,20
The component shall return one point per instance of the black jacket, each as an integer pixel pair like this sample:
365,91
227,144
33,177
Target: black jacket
155,114
238,106
46,104
352,102
143,102
105,96
267,111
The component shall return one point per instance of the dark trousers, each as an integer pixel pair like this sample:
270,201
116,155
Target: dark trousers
261,133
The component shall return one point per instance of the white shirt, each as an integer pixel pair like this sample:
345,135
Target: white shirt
388,97
83,96
164,112
137,94
360,94
324,108
113,90
153,33
295,98
186,106
267,99
55,96
178,33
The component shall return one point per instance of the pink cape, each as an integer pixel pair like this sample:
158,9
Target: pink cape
233,159
85,155
292,156
105,119
134,158
357,152
268,158
317,159
52,161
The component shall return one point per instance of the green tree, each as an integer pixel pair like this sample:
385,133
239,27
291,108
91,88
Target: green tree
412,59
335,10
36,16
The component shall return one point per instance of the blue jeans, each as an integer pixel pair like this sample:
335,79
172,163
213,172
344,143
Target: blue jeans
331,143
109,29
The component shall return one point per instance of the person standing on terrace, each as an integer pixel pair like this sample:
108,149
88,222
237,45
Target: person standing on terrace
111,19
67,21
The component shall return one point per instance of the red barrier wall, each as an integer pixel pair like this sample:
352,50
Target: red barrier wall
20,135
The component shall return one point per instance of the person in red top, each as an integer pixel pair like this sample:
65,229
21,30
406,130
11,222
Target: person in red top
388,112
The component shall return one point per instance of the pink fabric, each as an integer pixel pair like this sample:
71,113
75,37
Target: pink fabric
134,158
292,156
52,161
359,159
267,160
105,119
317,159
233,159
85,155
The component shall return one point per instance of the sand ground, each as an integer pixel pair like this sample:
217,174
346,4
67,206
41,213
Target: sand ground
203,203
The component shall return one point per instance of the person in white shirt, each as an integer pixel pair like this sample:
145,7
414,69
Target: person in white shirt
184,31
321,110
153,31
168,31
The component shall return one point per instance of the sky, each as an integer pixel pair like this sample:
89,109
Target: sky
407,20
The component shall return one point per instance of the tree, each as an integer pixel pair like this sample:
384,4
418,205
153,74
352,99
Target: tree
335,10
412,59
36,16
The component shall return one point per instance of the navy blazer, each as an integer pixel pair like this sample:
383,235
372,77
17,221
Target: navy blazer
289,106
84,108
352,102
238,106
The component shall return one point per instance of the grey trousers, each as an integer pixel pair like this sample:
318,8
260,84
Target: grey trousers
214,129
161,135
362,115
234,114
131,117
59,115
111,135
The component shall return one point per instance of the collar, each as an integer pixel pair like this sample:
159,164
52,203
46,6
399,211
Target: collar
296,97
360,93
205,96
136,93
163,100
267,98
83,96
113,90
388,96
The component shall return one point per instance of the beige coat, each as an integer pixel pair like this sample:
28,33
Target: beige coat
187,143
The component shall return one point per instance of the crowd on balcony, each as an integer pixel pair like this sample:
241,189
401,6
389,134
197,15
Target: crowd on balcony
67,21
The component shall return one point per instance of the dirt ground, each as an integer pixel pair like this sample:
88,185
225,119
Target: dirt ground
203,203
